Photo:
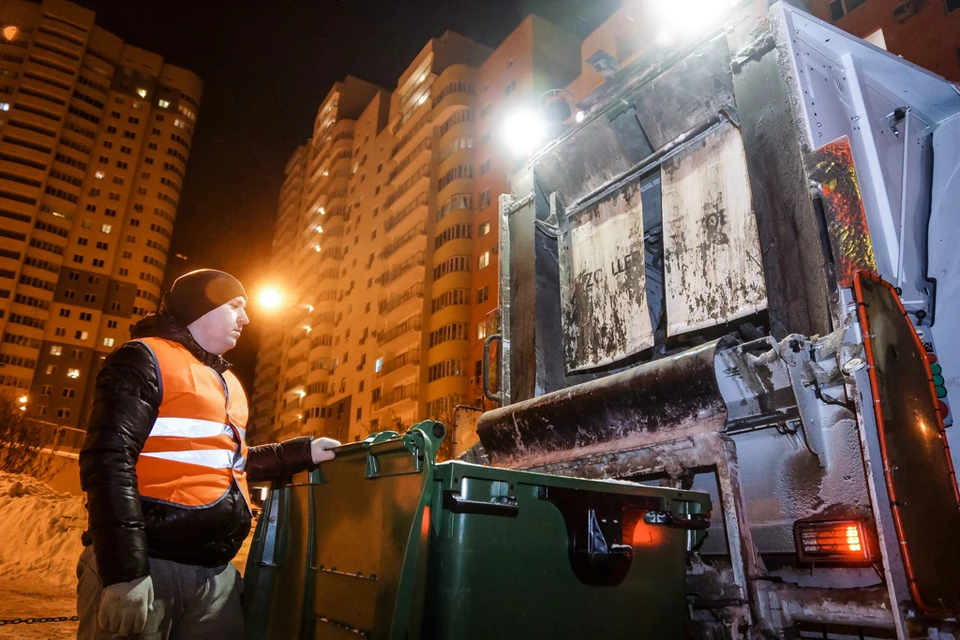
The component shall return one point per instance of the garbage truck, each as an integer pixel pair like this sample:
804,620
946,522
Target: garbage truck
737,273
728,301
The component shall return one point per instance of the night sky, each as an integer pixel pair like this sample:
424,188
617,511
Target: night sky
266,66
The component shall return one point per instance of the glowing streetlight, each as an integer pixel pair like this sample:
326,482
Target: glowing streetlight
270,298
524,131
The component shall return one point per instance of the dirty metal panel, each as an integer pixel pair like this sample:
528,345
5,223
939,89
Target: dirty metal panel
920,478
587,159
692,91
711,249
603,291
619,412
832,167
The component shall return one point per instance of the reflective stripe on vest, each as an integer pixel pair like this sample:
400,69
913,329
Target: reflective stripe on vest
196,449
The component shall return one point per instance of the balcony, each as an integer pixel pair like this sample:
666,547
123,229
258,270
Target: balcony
411,134
293,383
396,271
403,214
423,173
389,304
409,392
410,159
416,232
405,359
413,324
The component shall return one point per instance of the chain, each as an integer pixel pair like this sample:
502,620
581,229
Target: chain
39,620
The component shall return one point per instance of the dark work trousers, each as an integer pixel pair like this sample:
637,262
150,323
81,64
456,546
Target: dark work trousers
190,603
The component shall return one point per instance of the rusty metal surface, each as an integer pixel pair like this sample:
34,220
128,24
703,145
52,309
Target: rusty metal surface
609,414
602,282
917,466
831,167
711,252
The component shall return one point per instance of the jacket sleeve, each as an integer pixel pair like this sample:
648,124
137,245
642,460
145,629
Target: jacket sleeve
272,461
125,405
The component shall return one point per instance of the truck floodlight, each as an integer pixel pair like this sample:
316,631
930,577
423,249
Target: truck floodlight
524,131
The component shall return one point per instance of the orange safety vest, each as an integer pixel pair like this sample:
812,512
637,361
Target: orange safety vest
196,448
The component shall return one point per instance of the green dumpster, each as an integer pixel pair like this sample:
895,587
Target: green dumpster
383,543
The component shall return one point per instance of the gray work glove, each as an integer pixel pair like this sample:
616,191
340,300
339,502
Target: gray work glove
320,449
124,606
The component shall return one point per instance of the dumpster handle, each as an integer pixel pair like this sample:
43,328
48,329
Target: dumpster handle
496,397
696,521
454,503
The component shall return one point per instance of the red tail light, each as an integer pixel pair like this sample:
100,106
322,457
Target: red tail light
843,541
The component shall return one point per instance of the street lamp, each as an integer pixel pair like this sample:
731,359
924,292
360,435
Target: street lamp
270,298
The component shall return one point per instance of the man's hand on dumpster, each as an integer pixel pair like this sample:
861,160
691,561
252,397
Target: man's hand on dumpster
320,449
124,606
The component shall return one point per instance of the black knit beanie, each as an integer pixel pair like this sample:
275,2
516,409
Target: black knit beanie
196,293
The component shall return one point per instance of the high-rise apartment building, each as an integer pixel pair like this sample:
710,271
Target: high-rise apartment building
387,241
94,140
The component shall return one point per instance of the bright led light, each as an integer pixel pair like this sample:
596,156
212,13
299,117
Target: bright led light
22,399
142,93
682,19
580,116
422,99
319,229
10,32
316,248
524,131
270,298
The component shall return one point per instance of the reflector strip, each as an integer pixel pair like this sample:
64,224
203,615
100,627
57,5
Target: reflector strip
212,458
188,428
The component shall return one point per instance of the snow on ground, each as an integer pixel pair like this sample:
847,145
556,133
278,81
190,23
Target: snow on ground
39,547
39,532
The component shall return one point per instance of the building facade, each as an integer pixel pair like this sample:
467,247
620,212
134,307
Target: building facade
390,260
94,140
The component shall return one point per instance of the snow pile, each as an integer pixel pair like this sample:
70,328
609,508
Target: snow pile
39,532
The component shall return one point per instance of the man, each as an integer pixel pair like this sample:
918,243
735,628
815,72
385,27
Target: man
165,468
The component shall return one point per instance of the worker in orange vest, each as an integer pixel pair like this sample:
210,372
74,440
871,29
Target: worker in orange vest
165,465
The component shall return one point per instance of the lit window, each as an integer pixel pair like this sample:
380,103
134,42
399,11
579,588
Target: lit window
378,365
142,92
108,342
4,106
484,229
164,103
98,175
10,32
484,260
106,228
56,350
481,330
73,373
51,369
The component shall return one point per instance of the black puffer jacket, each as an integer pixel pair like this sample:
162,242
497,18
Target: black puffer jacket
126,531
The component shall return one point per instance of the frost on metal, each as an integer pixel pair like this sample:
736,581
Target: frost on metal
603,297
711,248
